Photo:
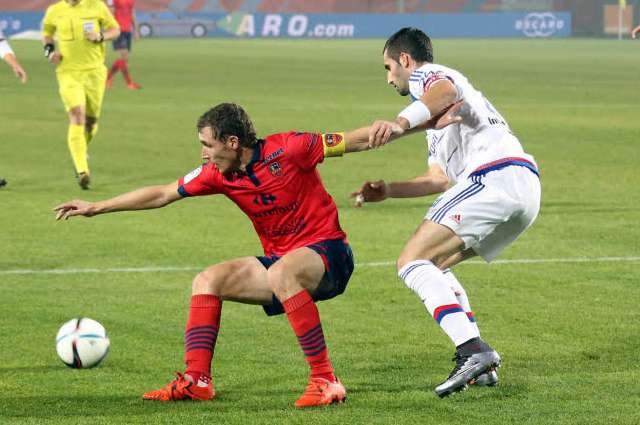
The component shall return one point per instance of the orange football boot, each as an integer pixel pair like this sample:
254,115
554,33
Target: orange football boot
321,392
182,388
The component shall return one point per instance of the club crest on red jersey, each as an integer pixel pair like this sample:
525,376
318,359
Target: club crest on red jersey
332,139
275,169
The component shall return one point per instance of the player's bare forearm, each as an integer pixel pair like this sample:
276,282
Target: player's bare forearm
47,40
13,62
432,182
111,34
357,140
420,186
145,198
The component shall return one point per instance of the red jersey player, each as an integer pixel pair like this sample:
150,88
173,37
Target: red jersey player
306,258
123,11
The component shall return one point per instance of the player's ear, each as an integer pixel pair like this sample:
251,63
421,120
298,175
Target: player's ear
404,59
233,142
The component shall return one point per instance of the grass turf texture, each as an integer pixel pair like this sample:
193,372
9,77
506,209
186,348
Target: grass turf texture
568,332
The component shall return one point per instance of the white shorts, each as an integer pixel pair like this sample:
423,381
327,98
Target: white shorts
489,212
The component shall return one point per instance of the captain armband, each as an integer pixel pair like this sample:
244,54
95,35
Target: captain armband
416,113
49,48
333,144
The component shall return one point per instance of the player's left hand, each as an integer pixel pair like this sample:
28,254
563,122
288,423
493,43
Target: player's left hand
73,208
380,133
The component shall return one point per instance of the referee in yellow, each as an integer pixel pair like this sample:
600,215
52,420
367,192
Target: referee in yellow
80,28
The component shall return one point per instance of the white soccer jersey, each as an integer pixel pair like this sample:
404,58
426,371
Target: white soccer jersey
483,135
5,49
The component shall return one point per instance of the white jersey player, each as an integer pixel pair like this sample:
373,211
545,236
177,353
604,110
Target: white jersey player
491,194
10,58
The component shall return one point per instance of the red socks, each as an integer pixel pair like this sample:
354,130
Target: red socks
115,67
201,334
124,67
305,320
120,65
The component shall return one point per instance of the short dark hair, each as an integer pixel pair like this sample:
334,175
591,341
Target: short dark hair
412,41
229,119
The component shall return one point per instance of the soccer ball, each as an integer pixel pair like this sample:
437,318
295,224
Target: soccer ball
82,343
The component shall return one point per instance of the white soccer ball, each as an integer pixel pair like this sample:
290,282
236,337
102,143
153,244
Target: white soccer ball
82,343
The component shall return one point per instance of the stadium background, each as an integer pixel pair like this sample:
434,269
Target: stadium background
371,18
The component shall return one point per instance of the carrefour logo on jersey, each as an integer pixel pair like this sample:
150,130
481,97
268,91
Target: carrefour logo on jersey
543,24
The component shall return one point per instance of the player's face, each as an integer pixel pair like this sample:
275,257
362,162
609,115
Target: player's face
216,152
397,74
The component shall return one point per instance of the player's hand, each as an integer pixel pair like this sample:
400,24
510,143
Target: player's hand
370,192
55,58
448,117
73,208
96,37
20,73
380,133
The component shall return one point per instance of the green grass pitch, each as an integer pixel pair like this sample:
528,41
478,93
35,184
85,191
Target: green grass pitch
568,331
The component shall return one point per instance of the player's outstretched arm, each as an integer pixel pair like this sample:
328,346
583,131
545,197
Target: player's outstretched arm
431,182
141,199
361,139
11,59
382,132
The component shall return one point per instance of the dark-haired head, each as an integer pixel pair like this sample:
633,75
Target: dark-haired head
229,119
411,41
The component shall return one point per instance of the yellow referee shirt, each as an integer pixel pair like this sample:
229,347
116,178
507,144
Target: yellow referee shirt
69,23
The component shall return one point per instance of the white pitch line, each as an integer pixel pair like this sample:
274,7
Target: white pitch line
371,264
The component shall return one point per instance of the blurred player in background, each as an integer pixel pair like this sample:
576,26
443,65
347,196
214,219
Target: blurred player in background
80,28
306,258
10,58
124,12
494,195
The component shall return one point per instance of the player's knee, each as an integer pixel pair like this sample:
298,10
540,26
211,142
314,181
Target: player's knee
77,115
206,282
406,258
281,281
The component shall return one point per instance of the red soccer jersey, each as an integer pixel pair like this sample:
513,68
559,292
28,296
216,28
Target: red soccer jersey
123,12
281,192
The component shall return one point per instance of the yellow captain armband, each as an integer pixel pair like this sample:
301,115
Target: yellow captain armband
334,144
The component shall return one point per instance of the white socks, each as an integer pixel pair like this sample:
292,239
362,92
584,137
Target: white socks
461,295
436,293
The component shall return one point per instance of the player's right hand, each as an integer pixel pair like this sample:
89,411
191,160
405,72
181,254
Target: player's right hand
55,58
20,73
370,192
72,208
